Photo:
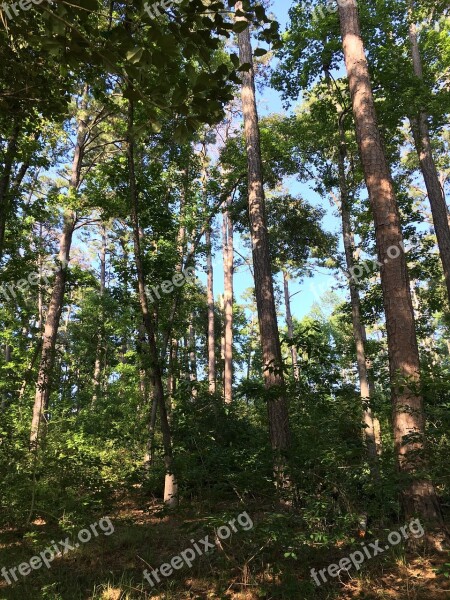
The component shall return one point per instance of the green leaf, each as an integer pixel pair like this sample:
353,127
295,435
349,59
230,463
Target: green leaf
135,55
240,26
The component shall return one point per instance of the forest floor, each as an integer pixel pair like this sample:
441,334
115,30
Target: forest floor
111,567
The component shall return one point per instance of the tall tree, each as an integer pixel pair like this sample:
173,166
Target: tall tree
210,301
5,181
418,493
268,327
370,428
99,348
170,486
290,324
43,384
424,149
228,273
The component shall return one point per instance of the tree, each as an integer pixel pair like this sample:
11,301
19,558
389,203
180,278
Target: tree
418,493
170,487
422,140
211,326
43,384
228,272
370,427
268,326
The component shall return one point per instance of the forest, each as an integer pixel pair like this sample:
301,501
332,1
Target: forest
224,299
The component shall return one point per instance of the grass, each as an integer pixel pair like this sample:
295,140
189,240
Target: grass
262,563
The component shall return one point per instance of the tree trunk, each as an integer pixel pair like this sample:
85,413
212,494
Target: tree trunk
228,256
40,318
435,190
192,357
7,355
210,300
143,381
170,486
265,298
43,384
148,397
99,350
376,421
5,183
368,418
290,325
150,453
418,495
358,328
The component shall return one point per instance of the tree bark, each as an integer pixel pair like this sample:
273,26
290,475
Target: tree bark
376,421
422,142
170,486
290,325
210,300
40,318
192,357
99,349
418,494
5,183
4,403
228,259
265,299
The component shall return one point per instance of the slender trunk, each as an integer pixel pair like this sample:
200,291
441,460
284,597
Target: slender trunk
150,454
170,486
40,318
99,349
148,398
422,142
376,421
52,322
40,288
358,333
5,183
210,300
192,357
181,239
290,325
184,359
222,337
228,256
250,350
418,495
143,381
7,355
265,299
368,418
172,372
